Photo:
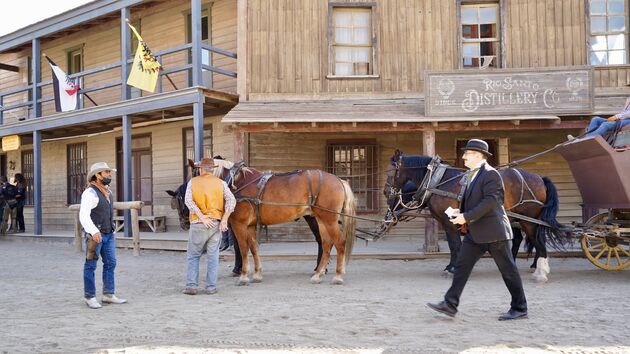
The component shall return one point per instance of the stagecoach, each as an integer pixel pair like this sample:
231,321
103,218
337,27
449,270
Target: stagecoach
602,174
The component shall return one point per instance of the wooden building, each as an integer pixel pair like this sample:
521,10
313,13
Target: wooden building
336,85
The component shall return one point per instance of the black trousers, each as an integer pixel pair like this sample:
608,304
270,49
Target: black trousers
501,252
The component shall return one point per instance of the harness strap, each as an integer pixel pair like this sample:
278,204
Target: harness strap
524,185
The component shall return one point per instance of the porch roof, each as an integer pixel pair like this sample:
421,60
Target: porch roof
406,110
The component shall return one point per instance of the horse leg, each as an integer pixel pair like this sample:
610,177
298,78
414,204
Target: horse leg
340,246
516,242
536,239
257,277
312,224
326,248
243,234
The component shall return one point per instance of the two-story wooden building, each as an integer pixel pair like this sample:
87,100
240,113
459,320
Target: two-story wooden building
335,85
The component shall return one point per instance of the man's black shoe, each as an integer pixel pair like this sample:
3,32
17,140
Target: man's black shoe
443,307
513,315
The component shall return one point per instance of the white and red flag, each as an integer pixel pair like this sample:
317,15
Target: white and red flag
66,90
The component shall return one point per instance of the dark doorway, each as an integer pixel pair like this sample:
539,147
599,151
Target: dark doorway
3,166
141,171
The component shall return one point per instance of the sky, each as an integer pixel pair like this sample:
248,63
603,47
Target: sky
17,14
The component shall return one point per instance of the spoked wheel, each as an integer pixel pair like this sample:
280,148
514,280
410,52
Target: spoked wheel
606,252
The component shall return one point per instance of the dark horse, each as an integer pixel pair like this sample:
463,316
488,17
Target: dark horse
269,199
177,203
526,194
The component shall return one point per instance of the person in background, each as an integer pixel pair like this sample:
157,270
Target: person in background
20,183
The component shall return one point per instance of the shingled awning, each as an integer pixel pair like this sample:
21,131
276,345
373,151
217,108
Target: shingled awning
407,110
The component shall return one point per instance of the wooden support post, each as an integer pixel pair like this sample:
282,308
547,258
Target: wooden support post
135,227
430,225
78,239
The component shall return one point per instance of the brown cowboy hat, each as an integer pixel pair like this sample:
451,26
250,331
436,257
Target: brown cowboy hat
99,167
206,163
477,145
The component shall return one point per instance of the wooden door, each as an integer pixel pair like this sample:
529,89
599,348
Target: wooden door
141,171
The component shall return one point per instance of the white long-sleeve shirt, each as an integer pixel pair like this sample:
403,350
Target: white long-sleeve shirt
89,201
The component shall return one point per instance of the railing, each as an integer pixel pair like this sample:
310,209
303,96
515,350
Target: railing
107,85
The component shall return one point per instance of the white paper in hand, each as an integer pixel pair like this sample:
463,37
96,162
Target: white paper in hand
451,213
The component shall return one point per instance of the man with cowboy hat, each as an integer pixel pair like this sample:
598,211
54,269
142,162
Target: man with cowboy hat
97,218
488,230
210,202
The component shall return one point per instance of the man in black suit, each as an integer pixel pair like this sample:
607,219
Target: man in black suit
488,230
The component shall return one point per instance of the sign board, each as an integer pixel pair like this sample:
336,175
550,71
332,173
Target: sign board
10,143
466,93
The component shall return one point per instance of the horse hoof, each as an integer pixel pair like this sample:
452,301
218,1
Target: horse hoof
315,279
242,281
540,278
257,279
337,280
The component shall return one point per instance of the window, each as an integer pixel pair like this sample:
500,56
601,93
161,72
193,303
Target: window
352,42
357,164
608,37
75,61
27,172
480,36
77,171
206,56
189,147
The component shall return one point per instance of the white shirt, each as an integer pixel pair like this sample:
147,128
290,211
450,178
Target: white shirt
89,201
476,168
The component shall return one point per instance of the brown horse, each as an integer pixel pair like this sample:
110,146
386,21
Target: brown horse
526,194
270,199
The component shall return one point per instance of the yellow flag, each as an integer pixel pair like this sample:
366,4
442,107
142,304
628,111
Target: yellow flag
145,68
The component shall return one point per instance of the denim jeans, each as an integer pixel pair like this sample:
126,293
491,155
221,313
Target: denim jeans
107,250
600,126
201,238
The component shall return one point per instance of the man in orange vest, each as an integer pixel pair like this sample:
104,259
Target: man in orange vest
210,202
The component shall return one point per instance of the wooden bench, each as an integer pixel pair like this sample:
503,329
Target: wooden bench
155,223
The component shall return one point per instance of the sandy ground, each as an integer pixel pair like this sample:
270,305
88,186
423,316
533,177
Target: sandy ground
380,309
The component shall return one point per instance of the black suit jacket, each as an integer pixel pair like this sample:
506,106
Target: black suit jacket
483,210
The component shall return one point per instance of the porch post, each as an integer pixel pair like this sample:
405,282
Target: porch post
195,30
430,225
125,49
240,146
36,74
37,181
198,128
241,50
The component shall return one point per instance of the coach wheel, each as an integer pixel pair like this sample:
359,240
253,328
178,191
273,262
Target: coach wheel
609,252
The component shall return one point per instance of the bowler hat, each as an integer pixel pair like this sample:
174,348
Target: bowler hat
98,167
477,145
205,163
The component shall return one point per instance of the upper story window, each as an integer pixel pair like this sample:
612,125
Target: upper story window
608,37
480,36
75,61
352,40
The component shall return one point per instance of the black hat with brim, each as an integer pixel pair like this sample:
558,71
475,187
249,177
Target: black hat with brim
477,145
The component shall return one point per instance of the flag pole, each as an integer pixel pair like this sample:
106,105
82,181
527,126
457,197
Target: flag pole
80,91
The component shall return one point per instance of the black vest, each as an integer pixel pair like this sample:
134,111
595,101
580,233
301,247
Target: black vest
103,215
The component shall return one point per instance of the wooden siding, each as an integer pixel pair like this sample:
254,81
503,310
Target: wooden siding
283,152
162,26
288,45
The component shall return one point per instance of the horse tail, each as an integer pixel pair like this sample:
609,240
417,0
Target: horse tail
348,221
555,234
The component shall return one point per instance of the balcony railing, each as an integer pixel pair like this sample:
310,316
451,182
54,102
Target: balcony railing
21,103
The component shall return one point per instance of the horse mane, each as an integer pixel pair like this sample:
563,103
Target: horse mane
415,166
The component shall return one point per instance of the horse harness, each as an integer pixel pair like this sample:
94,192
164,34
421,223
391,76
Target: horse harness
262,183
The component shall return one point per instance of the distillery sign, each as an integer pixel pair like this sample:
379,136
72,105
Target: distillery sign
466,93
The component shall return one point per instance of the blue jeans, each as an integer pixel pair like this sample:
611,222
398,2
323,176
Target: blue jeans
201,238
107,250
600,126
